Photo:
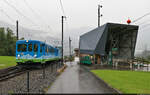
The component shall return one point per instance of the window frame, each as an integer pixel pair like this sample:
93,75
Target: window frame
25,48
41,46
30,48
36,48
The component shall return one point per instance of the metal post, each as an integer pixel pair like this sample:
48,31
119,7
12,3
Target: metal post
56,66
70,48
17,30
43,71
99,15
28,81
62,36
52,67
60,64
132,54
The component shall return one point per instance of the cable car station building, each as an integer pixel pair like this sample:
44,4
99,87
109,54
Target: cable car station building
109,42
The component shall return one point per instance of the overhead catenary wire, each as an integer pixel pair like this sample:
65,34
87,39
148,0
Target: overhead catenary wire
20,13
62,8
142,23
141,17
11,19
145,26
32,10
36,14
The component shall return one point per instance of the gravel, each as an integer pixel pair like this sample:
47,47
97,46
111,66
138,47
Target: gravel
38,84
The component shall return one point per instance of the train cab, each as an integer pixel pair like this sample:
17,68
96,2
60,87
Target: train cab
34,51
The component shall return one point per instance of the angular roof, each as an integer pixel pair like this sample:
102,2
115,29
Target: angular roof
88,41
94,42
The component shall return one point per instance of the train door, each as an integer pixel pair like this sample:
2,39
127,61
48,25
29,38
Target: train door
56,52
46,50
42,50
30,49
35,50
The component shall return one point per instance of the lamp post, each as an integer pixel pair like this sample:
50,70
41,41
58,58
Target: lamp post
99,15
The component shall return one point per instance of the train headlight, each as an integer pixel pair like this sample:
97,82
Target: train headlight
35,56
18,56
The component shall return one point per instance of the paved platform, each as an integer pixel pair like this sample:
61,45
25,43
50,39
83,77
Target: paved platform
76,80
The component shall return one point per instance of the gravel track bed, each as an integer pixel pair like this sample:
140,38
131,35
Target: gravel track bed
38,84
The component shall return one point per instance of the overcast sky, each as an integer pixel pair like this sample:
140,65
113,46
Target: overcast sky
80,13
46,14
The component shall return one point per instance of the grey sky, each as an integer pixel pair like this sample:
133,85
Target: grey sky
80,13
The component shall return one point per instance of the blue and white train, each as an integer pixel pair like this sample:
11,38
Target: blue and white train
34,51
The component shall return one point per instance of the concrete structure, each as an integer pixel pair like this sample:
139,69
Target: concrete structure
111,39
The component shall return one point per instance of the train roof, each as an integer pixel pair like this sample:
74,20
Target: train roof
22,41
25,41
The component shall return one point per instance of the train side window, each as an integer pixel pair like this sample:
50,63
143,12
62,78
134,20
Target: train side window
30,47
22,48
52,50
47,49
40,47
35,47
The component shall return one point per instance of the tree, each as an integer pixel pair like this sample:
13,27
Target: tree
7,42
2,41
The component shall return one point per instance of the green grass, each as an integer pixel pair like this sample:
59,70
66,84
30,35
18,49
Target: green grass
126,81
7,61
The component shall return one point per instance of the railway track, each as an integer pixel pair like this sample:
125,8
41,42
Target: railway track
15,71
11,72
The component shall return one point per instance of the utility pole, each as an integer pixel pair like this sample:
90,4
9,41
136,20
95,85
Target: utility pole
62,37
17,30
99,15
70,47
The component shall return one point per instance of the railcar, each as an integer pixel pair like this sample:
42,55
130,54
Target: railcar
35,52
86,60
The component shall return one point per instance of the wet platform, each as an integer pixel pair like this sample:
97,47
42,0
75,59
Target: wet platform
76,80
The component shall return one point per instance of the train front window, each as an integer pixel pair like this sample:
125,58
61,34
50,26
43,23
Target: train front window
30,47
22,48
35,47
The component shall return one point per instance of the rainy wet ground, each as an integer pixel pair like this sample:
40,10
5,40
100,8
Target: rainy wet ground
77,80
